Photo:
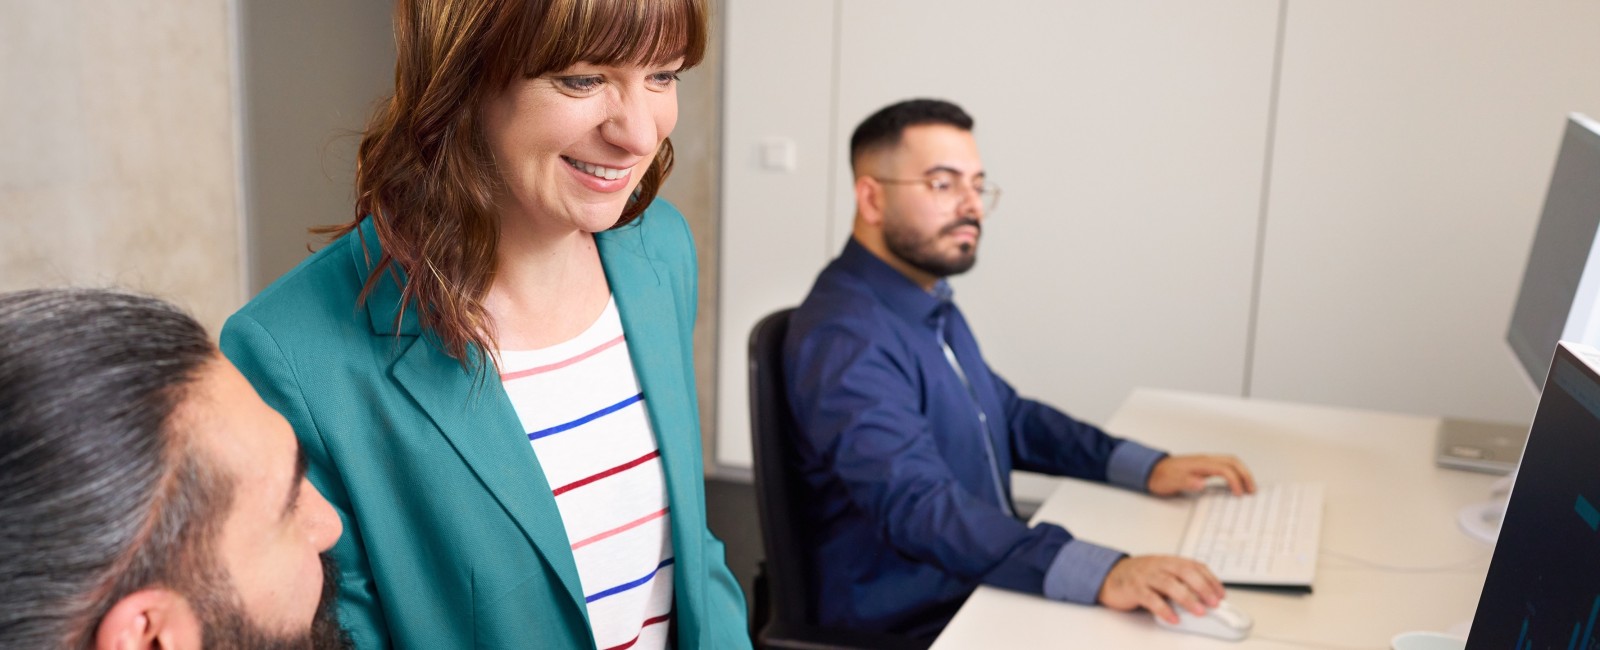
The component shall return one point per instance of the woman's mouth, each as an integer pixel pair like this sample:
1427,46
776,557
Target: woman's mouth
597,171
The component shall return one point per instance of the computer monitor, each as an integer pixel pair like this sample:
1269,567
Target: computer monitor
1543,586
1557,301
1560,285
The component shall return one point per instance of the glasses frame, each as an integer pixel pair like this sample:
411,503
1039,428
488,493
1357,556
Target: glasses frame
988,195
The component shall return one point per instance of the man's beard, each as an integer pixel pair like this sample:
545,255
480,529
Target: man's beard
226,626
923,254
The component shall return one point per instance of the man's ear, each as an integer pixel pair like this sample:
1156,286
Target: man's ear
869,200
149,618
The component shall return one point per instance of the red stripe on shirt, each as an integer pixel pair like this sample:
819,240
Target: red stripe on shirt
623,528
647,623
615,470
561,364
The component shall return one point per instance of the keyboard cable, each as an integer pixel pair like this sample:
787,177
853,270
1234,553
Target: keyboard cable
1461,565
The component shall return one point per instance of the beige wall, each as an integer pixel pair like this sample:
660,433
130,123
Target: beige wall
117,149
310,73
694,189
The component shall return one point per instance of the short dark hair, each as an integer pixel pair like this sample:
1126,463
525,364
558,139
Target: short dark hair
884,128
101,493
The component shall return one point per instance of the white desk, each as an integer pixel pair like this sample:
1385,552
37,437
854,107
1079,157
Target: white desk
1386,503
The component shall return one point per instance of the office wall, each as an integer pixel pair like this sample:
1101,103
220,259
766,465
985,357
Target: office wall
697,143
778,83
1316,200
117,155
310,74
1415,143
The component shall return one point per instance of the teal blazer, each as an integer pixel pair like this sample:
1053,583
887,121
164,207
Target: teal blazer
451,536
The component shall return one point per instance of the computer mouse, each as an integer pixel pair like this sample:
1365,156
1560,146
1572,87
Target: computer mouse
1223,622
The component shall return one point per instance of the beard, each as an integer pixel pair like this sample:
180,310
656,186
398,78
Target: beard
226,626
922,252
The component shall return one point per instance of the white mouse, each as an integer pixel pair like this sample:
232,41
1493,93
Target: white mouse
1223,622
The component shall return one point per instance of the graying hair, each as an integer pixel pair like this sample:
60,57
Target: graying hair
99,493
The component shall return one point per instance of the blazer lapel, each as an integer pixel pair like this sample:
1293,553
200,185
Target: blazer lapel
477,420
657,341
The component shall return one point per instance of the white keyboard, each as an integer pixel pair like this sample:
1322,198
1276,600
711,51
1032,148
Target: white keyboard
1269,538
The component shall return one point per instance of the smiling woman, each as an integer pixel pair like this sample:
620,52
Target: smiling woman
490,367
427,175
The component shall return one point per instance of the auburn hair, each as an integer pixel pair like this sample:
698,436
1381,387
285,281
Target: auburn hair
424,173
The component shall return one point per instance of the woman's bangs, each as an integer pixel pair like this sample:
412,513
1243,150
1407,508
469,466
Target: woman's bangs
627,32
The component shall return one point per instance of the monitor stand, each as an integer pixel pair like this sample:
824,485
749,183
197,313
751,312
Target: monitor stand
1481,521
1479,445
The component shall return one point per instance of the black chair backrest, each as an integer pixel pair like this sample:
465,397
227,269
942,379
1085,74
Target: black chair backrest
790,622
779,486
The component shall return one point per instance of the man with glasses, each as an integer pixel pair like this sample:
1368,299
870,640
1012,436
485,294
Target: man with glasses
908,438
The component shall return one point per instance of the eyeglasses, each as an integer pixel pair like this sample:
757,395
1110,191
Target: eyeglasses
949,188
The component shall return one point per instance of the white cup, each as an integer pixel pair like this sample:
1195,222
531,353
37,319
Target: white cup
1427,641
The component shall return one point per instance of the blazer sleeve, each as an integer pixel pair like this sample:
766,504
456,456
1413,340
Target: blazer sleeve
257,355
726,619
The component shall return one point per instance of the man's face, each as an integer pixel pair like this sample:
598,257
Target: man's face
934,231
277,591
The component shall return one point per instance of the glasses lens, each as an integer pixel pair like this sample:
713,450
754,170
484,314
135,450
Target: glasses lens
991,198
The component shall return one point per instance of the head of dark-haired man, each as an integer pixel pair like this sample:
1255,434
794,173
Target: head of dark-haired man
921,190
148,497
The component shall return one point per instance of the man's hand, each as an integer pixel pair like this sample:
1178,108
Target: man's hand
1149,581
1175,474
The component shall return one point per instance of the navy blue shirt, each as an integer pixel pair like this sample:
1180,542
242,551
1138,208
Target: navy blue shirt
909,462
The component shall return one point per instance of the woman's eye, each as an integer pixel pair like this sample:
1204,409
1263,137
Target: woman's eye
580,84
664,79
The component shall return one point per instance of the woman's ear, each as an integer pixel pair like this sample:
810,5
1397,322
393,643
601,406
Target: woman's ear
149,618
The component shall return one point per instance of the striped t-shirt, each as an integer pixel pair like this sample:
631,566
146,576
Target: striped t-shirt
585,416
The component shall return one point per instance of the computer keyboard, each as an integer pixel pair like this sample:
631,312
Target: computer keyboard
1269,538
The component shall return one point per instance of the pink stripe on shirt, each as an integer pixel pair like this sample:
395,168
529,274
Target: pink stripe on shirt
561,364
622,529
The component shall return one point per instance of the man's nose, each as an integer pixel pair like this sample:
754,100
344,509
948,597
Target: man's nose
323,524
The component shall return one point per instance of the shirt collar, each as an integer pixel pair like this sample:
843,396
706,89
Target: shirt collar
897,291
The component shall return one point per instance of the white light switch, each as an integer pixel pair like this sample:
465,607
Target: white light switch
777,154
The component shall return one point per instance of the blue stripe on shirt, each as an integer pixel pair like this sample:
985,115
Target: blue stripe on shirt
586,419
626,586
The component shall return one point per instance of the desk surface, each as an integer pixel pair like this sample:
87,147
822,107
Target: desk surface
1392,557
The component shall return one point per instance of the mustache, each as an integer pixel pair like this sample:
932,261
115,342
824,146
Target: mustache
326,631
962,221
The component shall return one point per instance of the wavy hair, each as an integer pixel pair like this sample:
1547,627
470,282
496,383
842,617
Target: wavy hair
424,173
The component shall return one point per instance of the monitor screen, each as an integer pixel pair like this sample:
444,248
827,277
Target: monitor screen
1543,586
1557,300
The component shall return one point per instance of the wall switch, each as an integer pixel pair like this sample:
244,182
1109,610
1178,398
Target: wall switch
777,154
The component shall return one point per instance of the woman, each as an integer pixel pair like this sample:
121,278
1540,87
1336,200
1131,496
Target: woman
490,369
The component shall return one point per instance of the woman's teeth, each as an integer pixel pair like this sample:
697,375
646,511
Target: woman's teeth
596,170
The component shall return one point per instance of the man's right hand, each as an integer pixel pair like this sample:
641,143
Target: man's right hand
1149,581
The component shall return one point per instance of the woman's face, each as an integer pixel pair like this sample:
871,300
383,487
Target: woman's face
573,144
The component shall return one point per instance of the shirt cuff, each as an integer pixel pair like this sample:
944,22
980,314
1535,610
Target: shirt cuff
1078,571
1130,465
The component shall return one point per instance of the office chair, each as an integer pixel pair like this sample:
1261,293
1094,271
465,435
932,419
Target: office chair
783,617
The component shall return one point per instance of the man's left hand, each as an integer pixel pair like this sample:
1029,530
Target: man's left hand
1175,474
